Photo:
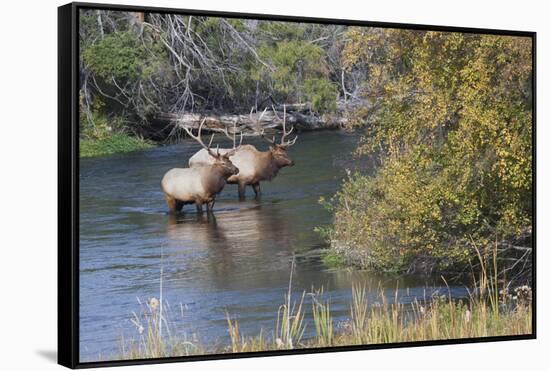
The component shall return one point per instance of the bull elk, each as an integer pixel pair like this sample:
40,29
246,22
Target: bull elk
198,185
254,166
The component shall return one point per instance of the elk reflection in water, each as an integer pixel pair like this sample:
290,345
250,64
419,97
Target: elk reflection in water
218,243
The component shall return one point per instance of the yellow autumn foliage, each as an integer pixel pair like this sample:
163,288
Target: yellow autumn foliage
454,136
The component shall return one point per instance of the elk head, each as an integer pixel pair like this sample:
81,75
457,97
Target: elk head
221,160
225,164
279,150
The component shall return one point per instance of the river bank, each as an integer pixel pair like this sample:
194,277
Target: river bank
370,321
115,143
169,128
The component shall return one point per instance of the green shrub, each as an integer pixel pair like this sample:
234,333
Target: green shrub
300,74
332,260
322,94
116,143
123,55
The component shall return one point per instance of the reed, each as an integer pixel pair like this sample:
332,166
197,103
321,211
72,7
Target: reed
492,309
322,319
437,318
290,323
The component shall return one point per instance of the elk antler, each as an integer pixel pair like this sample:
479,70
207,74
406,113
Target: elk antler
235,149
234,132
285,133
198,138
270,141
231,152
257,122
284,144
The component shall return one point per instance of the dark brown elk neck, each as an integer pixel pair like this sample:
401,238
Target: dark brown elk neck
214,179
267,168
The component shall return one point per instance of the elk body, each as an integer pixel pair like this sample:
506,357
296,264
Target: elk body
199,185
254,166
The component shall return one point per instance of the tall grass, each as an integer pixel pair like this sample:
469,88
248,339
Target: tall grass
290,319
488,311
322,318
436,319
115,143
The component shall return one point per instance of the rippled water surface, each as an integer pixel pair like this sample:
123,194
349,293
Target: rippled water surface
236,260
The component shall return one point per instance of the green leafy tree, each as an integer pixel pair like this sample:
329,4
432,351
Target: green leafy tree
123,55
300,70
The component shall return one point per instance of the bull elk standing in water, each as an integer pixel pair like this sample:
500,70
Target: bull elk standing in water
198,185
254,166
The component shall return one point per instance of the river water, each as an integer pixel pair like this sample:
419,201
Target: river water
235,261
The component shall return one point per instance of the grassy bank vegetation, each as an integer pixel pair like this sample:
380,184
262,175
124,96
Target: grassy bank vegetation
493,308
102,135
115,143
380,322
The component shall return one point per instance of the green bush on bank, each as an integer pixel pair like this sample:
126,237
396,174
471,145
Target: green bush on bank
101,135
333,260
116,143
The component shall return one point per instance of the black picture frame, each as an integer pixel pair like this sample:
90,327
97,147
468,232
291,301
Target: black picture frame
68,182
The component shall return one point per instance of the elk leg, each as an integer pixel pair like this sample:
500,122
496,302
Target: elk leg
257,189
199,207
171,202
242,189
179,205
210,206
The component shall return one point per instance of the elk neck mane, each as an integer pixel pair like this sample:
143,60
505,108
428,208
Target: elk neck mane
268,170
214,178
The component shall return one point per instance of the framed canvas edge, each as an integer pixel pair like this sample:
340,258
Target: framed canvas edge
67,229
348,348
68,184
303,19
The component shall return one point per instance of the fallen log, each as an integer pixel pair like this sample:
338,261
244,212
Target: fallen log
171,124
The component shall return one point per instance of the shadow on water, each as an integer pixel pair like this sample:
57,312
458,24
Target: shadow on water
236,259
